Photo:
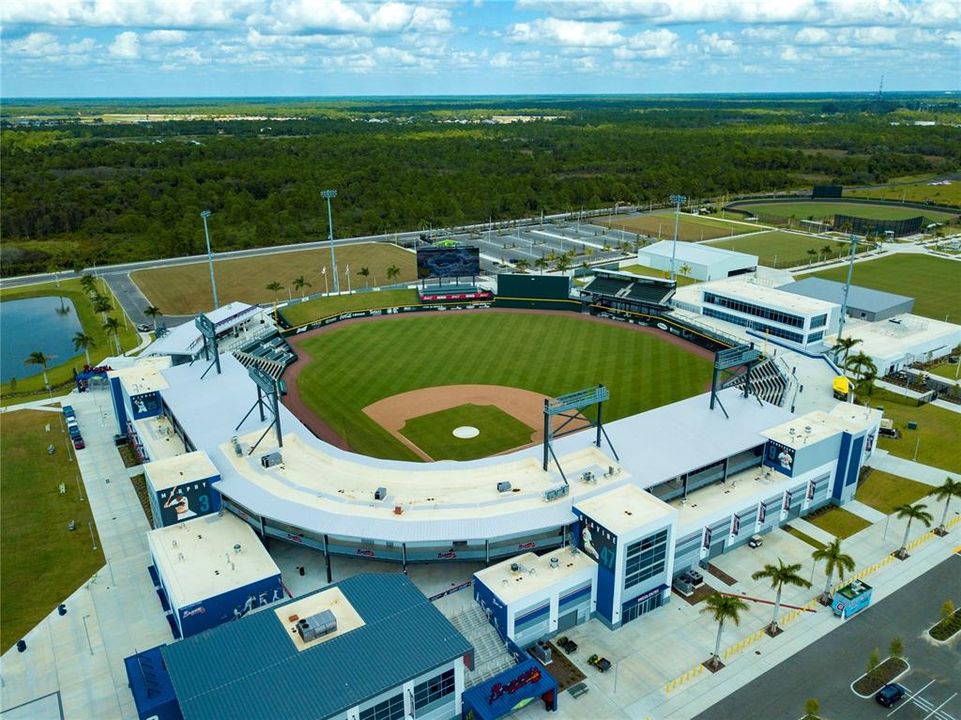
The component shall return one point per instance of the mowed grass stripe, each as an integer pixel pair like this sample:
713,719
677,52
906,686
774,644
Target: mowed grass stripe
360,364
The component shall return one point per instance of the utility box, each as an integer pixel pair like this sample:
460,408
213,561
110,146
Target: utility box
503,487
380,493
316,626
271,459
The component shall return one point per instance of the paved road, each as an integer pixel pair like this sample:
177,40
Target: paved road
826,669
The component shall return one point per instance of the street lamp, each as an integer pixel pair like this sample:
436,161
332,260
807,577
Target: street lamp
210,256
677,200
328,195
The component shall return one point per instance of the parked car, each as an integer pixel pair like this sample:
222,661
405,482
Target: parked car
889,694
144,327
78,443
756,541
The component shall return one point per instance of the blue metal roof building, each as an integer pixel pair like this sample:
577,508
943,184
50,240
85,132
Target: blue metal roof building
251,668
864,303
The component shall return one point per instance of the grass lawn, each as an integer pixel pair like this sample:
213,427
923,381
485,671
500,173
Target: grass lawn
779,249
661,226
550,354
916,192
185,289
838,521
499,431
303,313
938,431
41,562
31,388
804,536
819,210
946,371
884,491
651,272
933,282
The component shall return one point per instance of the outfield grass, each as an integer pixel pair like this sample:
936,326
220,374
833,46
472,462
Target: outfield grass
884,491
499,432
41,562
820,210
303,313
550,354
938,431
185,289
839,522
914,192
661,225
779,249
933,282
652,272
31,388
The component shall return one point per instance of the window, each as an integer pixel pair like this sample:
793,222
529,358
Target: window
389,709
815,336
755,310
754,325
645,559
819,321
437,688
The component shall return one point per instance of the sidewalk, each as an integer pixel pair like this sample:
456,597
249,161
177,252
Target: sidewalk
115,614
883,460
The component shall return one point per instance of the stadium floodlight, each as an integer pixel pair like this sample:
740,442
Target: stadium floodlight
328,195
210,256
677,201
847,289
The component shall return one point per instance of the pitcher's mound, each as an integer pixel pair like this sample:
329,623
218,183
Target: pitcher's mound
466,432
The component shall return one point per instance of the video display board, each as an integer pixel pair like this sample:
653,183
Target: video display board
444,262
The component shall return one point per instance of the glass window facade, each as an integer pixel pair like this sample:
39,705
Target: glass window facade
756,310
819,321
390,709
645,559
754,325
434,690
816,336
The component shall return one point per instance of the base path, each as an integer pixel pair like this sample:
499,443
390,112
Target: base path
392,413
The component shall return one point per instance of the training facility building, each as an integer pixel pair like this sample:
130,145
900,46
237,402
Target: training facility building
370,647
701,262
897,342
862,303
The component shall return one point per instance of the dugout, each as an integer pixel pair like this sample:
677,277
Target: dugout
536,292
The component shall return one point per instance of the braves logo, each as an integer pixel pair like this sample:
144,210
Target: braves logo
196,611
527,545
364,553
450,555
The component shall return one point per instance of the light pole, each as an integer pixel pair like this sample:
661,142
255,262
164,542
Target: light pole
678,200
210,256
86,632
847,288
328,195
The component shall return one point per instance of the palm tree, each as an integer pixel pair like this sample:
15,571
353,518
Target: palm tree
950,489
723,607
540,264
684,270
88,283
780,575
82,341
274,287
299,284
845,344
521,265
861,365
153,313
563,264
911,513
392,272
38,358
834,560
112,326
102,305
364,273
813,253
827,251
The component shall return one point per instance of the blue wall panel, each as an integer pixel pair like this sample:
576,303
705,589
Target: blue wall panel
116,393
840,472
487,600
231,605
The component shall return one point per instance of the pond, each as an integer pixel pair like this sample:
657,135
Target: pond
34,324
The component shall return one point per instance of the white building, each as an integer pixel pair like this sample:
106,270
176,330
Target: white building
701,262
895,343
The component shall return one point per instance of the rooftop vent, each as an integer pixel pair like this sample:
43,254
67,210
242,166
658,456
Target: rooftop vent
503,487
554,562
271,459
316,626
380,493
515,568
237,548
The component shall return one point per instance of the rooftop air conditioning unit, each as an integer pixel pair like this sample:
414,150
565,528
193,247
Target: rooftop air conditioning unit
380,493
271,459
316,626
503,487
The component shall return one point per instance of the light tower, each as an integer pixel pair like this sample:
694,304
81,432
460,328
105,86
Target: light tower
677,200
210,257
847,286
328,195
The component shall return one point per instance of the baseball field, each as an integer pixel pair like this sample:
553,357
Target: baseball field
779,249
932,282
185,289
693,228
346,369
819,210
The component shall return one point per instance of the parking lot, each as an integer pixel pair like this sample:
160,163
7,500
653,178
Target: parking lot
930,701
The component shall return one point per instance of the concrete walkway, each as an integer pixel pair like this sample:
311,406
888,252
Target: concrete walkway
945,405
116,613
812,530
887,462
865,511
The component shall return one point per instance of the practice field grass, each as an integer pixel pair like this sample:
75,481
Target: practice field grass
938,431
41,562
185,289
914,192
358,365
32,388
432,433
933,282
821,210
661,225
884,491
303,313
779,249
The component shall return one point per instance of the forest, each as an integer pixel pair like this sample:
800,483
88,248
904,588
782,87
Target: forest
78,193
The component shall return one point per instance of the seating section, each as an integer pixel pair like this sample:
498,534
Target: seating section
647,292
767,382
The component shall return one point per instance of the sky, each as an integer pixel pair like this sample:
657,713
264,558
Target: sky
202,48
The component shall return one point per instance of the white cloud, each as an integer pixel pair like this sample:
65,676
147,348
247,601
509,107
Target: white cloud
165,37
126,46
652,44
715,44
790,54
572,33
337,16
863,36
127,13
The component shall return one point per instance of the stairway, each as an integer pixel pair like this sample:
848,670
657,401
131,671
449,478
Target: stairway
490,653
